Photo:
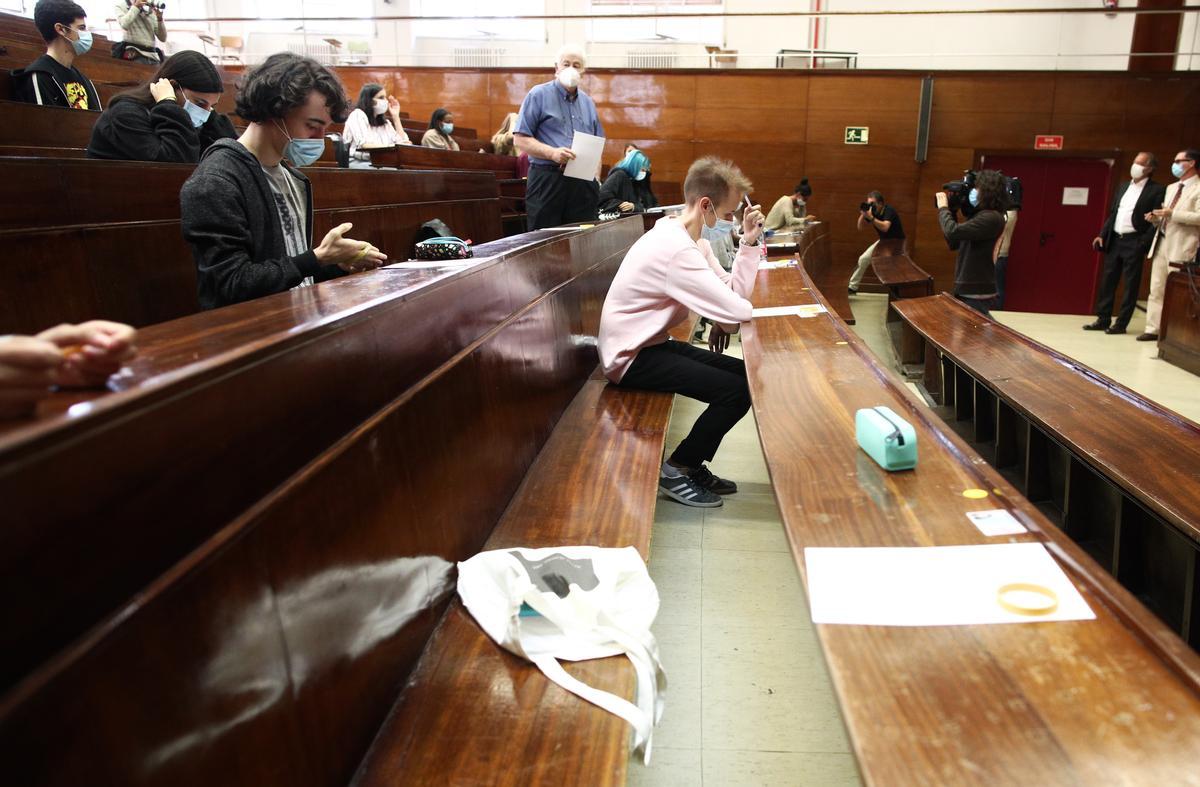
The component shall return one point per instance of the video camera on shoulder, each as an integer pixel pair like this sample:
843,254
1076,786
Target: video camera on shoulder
959,191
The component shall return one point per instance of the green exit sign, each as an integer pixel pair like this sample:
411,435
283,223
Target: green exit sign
857,135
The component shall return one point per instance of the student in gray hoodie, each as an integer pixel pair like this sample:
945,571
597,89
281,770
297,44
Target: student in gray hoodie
247,213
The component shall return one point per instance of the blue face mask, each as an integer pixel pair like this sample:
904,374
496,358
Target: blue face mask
641,175
83,43
199,115
973,198
447,128
302,152
1177,169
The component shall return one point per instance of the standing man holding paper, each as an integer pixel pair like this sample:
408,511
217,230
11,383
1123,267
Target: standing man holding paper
551,115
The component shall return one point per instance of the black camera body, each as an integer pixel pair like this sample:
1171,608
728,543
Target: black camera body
958,194
150,6
863,207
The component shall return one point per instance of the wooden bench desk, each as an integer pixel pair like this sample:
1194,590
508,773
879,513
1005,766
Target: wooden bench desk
125,259
902,278
1179,331
271,651
998,704
1119,473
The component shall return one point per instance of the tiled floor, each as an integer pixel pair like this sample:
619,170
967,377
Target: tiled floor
749,701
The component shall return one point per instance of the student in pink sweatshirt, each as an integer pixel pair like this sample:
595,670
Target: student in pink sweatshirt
668,272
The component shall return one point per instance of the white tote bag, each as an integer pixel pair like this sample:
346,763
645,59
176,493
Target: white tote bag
573,603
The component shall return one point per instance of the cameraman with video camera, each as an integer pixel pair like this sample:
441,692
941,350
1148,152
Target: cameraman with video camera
142,21
884,219
976,237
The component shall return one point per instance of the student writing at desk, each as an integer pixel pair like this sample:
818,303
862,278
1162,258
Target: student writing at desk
670,271
247,214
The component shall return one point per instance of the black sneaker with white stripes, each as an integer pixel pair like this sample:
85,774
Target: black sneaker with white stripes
715,484
685,490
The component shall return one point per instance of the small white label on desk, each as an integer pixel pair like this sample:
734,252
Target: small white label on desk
803,310
997,522
776,265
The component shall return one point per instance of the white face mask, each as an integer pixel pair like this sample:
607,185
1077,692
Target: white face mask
569,77
380,106
1137,171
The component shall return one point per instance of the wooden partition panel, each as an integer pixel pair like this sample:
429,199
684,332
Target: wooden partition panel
272,653
783,125
254,391
125,259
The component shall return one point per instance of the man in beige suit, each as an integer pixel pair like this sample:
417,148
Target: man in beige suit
1178,222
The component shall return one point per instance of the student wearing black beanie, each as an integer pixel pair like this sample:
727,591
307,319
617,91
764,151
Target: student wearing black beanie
169,118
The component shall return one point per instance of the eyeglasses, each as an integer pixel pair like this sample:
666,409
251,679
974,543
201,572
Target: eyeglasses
1181,161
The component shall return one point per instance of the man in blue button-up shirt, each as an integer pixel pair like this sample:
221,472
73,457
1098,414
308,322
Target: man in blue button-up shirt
550,115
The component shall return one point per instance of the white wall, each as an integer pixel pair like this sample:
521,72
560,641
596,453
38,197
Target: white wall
960,41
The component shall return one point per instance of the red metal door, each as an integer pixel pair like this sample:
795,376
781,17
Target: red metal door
1051,266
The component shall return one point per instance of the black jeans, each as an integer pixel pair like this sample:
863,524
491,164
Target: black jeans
1123,259
551,198
678,367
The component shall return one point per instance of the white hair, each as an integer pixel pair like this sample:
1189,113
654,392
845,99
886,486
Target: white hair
570,49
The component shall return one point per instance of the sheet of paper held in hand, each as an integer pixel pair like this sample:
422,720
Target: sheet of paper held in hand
587,148
933,586
803,310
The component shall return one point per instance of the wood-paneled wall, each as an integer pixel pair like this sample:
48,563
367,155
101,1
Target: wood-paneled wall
781,126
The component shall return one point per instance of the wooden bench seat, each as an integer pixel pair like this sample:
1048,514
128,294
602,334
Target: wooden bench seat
1117,472
988,704
125,259
271,651
473,713
902,278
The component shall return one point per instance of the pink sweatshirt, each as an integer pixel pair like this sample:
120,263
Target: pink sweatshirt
665,275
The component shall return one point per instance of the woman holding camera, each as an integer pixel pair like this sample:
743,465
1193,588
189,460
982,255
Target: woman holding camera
142,21
976,240
169,118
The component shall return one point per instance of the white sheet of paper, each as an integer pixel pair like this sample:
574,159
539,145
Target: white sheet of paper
776,265
1074,195
932,586
588,149
996,522
803,310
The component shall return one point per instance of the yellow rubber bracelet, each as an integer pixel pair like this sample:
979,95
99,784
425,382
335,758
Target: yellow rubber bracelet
361,254
1010,597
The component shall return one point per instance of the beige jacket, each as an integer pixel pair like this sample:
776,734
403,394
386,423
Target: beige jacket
1181,232
433,139
783,215
141,28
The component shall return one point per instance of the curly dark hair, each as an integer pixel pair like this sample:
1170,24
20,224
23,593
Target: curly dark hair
48,13
366,102
990,184
284,82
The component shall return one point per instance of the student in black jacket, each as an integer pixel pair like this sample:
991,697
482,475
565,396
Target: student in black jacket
169,118
976,240
53,80
247,214
619,192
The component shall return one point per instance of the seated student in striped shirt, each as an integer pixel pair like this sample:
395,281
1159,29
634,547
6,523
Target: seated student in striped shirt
670,271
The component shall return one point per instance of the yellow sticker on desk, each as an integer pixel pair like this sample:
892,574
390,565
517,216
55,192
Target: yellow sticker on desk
841,342
975,494
586,226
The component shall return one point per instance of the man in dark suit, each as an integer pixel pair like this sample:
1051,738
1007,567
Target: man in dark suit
1125,241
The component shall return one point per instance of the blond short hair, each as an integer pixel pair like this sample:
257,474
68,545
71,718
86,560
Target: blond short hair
714,178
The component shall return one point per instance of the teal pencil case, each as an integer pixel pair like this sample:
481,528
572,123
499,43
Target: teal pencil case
886,437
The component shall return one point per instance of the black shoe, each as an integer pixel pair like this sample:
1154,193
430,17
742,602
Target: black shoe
704,477
1114,330
1098,325
852,291
1148,337
684,490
